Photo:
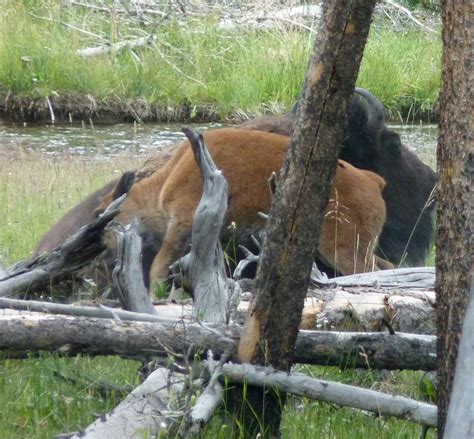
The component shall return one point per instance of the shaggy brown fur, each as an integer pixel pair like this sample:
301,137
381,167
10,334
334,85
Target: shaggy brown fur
165,202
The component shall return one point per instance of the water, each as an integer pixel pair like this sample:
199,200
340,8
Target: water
111,140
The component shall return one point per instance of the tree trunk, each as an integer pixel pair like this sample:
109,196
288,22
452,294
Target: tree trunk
460,420
454,260
298,205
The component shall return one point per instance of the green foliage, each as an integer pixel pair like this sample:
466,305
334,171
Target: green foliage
403,70
161,290
195,63
36,403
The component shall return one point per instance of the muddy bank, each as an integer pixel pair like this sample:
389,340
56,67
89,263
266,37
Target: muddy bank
82,107
73,107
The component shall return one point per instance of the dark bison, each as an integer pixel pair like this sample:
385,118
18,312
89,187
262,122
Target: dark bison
408,232
371,145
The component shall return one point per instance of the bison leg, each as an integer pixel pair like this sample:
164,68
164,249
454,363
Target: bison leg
175,245
383,264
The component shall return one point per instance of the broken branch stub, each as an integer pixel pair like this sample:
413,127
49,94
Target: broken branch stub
44,270
128,273
203,269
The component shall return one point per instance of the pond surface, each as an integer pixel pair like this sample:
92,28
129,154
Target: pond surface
110,140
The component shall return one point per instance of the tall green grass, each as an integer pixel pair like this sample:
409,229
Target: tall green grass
37,403
403,71
195,63
36,191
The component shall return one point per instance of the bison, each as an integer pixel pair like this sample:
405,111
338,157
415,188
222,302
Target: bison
165,202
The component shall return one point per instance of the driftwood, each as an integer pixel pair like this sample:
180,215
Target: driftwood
356,309
460,419
340,394
140,9
364,309
202,269
401,9
128,272
168,314
79,250
116,47
144,411
292,16
21,334
420,277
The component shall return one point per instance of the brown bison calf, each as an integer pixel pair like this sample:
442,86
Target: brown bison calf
165,202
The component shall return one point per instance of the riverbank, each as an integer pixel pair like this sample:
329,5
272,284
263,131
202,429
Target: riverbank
192,69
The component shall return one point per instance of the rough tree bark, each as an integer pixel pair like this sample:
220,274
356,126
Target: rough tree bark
454,261
298,205
460,420
128,273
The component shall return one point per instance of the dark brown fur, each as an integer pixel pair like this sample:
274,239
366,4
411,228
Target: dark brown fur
166,201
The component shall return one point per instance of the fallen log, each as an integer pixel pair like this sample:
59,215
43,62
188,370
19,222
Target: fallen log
354,309
419,277
381,404
70,336
366,309
293,16
167,314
